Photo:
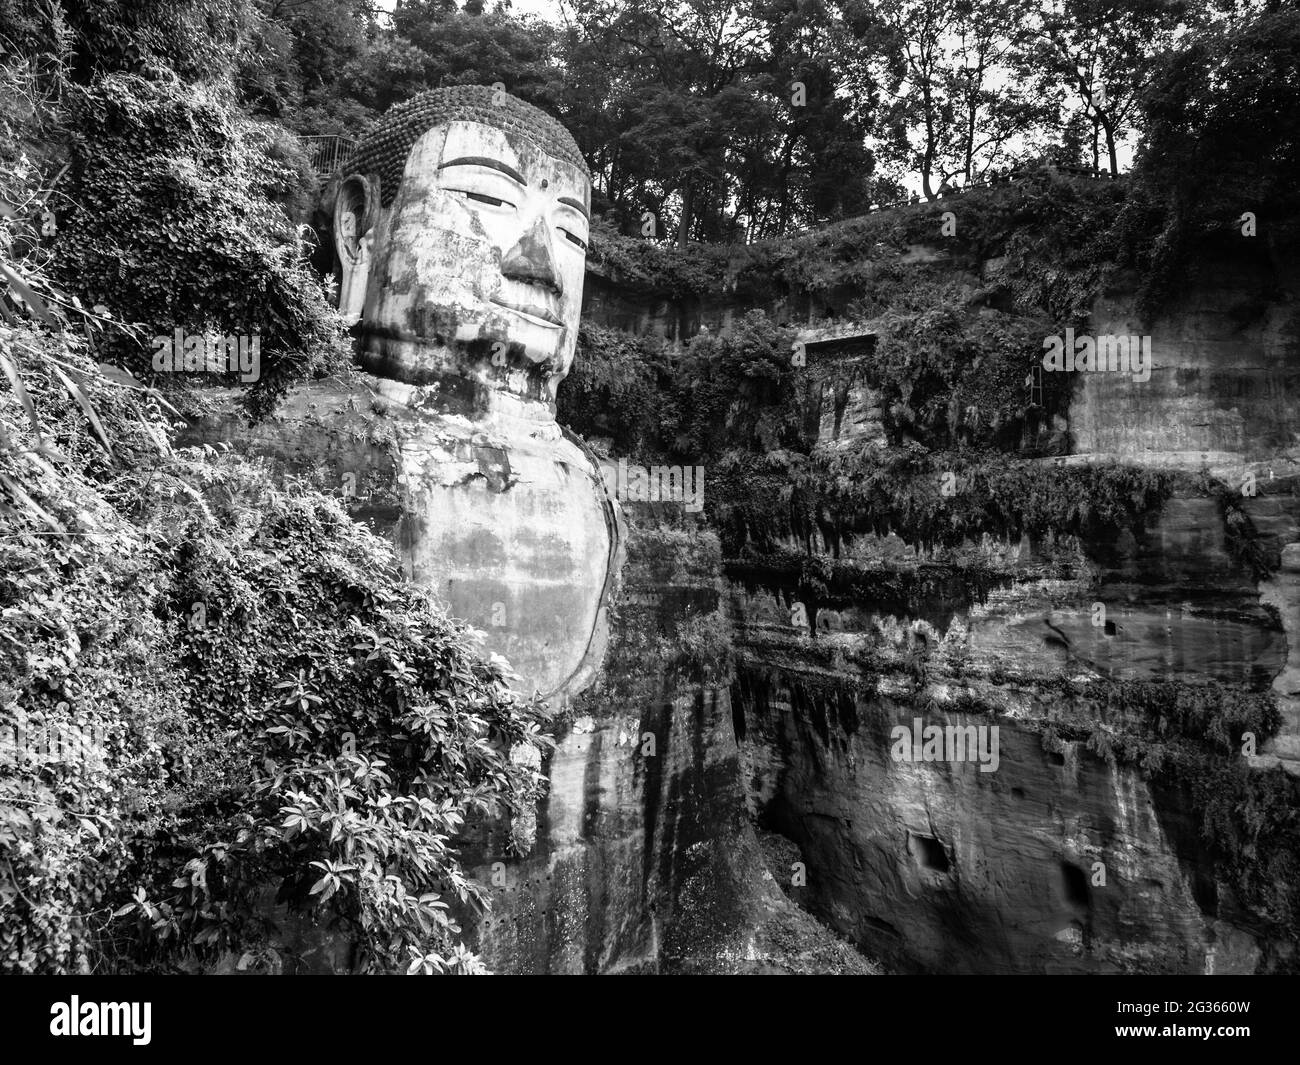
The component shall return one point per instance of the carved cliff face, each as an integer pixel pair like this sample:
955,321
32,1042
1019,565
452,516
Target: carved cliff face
472,278
464,280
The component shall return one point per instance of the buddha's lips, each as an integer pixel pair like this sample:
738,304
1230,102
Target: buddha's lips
544,314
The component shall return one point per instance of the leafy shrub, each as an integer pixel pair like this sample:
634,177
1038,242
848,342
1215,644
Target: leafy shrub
704,643
175,227
193,39
1062,239
655,267
906,492
269,703
1250,821
737,390
945,377
212,687
1222,139
617,385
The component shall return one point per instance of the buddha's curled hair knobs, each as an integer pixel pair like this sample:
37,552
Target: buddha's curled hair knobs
383,148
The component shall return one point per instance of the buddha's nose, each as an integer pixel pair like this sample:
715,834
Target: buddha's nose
532,260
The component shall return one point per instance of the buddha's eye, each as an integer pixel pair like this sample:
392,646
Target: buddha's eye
491,201
574,238
483,198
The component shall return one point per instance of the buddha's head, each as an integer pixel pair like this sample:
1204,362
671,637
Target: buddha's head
461,227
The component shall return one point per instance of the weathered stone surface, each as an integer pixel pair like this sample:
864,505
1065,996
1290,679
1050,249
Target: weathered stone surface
1222,398
461,225
645,860
1282,593
834,364
467,298
938,867
651,863
510,527
514,532
461,235
1223,389
942,868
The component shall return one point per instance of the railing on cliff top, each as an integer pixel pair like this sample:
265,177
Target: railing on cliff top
327,152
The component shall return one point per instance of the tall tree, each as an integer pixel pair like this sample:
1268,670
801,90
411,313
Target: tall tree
947,79
721,117
1222,144
1101,53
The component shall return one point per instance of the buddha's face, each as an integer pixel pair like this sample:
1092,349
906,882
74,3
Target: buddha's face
473,277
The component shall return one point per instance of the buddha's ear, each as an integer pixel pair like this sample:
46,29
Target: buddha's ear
356,205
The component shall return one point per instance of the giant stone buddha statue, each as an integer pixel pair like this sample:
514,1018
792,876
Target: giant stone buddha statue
461,225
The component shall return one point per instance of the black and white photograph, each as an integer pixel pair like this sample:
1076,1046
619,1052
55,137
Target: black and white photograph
651,488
